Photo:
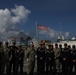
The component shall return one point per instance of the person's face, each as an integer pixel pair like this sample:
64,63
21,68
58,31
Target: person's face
65,46
40,45
19,47
60,46
6,45
56,46
14,44
31,46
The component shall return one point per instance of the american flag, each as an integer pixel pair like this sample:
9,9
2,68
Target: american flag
41,27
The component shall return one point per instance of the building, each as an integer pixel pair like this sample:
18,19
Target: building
63,41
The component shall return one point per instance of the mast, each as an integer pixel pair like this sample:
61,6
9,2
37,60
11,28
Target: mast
37,37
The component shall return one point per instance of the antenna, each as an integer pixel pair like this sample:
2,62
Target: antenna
60,32
60,27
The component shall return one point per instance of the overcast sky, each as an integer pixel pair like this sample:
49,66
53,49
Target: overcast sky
58,15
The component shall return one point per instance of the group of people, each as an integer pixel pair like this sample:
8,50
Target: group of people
49,60
54,59
11,57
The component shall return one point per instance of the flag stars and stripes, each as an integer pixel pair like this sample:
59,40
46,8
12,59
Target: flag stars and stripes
41,27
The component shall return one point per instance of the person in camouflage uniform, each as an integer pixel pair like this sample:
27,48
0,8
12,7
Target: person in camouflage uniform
57,57
31,60
6,57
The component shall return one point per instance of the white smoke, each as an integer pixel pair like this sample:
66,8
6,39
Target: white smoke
9,19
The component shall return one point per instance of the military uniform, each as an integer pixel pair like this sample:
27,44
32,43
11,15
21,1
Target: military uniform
60,65
31,60
6,57
41,59
65,59
69,59
73,57
19,60
13,49
50,59
57,57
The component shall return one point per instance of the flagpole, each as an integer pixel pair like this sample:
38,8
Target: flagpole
37,38
36,30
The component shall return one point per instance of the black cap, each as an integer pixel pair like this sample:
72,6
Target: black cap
14,42
60,45
65,44
43,44
6,43
40,44
0,43
20,45
69,46
49,44
52,46
73,46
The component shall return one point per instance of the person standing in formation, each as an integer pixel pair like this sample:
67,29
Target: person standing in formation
12,64
6,57
57,58
31,59
19,59
41,59
50,59
73,57
65,59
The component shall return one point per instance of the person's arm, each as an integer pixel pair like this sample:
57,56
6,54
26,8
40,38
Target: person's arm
58,54
10,54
